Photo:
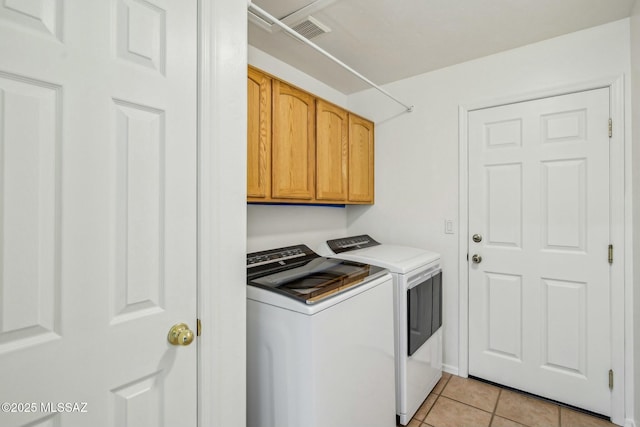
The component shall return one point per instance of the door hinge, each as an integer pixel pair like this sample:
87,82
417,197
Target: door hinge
610,128
198,327
610,254
610,379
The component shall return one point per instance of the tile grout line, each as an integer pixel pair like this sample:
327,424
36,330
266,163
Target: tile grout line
530,397
438,395
501,389
559,416
453,399
495,407
424,421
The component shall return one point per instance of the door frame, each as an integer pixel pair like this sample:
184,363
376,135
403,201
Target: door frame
222,211
620,219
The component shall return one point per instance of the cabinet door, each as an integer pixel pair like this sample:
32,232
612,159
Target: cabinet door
258,135
293,144
360,160
332,152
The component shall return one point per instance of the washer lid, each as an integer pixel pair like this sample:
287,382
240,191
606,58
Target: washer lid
318,278
398,259
280,300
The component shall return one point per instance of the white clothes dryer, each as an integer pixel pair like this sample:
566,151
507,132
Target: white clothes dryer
417,280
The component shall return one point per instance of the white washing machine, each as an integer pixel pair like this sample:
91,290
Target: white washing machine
417,297
320,349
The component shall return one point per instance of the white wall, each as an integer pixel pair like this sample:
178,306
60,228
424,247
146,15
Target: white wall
635,125
417,153
277,226
272,226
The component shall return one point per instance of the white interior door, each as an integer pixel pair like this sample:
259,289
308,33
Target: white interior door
97,212
539,299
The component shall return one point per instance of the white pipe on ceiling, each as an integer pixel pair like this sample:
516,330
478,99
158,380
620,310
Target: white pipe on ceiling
261,13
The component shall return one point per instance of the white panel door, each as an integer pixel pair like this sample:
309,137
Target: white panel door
97,212
539,313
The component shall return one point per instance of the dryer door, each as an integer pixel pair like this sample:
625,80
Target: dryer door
424,311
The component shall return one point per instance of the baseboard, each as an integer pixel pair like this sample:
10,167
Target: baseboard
453,370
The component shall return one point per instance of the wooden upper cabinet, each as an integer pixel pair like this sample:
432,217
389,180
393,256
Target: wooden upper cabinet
293,144
258,135
361,161
332,152
302,149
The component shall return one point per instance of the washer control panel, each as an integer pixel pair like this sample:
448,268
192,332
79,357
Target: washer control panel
259,263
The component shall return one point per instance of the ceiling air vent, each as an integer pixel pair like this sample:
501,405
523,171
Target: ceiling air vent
311,28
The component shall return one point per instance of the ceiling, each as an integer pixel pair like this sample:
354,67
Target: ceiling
388,40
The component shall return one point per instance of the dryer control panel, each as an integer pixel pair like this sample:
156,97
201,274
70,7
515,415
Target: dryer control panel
346,244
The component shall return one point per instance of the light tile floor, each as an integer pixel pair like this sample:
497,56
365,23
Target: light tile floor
463,402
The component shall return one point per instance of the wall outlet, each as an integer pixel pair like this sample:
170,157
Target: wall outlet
449,227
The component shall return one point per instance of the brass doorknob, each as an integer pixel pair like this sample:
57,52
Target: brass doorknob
180,334
477,259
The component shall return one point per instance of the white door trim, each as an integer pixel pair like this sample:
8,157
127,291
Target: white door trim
620,220
222,210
